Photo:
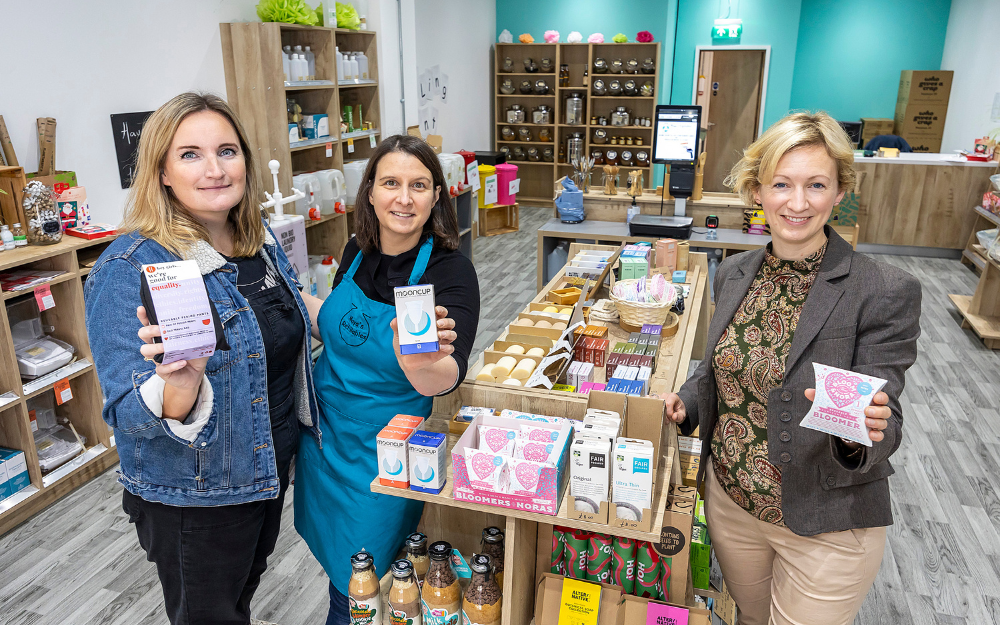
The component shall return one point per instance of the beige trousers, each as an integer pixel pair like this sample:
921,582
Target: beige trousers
776,576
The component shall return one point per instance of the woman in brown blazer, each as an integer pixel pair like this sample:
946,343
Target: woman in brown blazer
797,517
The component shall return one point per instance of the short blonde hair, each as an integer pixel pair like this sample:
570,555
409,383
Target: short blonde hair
793,131
153,211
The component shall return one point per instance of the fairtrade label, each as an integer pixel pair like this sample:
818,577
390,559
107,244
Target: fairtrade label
841,399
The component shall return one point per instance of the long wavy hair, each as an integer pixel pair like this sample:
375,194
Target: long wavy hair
153,211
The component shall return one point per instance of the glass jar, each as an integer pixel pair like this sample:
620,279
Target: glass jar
541,114
483,597
404,595
647,66
632,66
574,147
600,66
533,155
518,153
547,155
507,133
641,158
525,86
492,545
647,89
612,140
598,156
611,157
20,238
507,86
630,89
363,591
530,66
505,150
638,140
507,66
547,66
599,87
416,552
628,140
619,116
616,67
515,114
575,115
603,121
545,135
626,159
44,223
541,87
442,592
524,134
615,87
600,136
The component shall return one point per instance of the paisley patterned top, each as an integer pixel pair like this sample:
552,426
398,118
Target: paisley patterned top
749,362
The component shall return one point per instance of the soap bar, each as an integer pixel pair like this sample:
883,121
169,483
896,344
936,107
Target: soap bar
679,277
523,369
512,382
504,366
536,351
485,374
514,349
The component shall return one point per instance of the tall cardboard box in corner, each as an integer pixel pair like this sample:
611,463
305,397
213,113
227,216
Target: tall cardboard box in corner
922,107
917,86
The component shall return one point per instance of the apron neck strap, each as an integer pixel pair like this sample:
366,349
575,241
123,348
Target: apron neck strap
420,265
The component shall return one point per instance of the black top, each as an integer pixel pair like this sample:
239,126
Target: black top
456,287
281,325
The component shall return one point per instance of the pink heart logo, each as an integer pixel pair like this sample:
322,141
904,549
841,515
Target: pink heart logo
842,389
536,452
482,464
496,440
527,475
542,436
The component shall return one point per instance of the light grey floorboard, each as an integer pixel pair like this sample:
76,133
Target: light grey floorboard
78,561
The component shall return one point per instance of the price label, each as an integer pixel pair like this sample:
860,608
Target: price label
43,296
371,140
329,150
472,175
490,190
515,186
350,146
63,392
34,420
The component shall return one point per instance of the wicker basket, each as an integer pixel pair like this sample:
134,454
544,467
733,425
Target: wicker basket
641,313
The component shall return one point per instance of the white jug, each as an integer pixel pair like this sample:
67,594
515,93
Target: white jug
453,166
353,173
309,185
333,190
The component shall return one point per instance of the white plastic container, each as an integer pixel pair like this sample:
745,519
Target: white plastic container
308,184
286,60
362,66
353,173
301,68
7,236
354,75
333,191
311,63
340,63
324,275
453,166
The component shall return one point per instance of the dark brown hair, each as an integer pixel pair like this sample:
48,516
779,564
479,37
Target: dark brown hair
442,223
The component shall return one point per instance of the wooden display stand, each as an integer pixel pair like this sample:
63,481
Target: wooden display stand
981,312
498,219
974,254
256,89
74,256
537,177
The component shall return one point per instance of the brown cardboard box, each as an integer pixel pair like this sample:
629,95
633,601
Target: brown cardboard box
926,118
872,127
924,86
923,142
632,611
548,600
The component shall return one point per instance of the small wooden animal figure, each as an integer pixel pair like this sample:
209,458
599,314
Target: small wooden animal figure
610,180
635,183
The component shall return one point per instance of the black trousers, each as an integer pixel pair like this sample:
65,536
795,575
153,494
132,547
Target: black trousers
210,559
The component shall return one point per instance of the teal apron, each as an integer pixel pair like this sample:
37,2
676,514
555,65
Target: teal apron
360,387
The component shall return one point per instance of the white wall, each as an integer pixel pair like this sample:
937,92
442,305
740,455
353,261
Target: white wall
101,57
455,36
383,18
976,89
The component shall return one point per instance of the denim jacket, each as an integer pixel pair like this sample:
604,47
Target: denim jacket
222,453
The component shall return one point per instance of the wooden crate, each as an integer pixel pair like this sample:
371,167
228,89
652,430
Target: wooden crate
12,183
500,219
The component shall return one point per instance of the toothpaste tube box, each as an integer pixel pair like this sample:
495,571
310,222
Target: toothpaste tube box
416,319
590,472
428,462
632,479
392,446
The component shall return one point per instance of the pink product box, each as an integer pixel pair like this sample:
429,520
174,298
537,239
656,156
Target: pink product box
586,387
470,465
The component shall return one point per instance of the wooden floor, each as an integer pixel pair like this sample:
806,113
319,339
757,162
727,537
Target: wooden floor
79,563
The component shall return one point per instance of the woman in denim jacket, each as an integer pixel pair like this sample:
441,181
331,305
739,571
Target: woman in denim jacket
205,444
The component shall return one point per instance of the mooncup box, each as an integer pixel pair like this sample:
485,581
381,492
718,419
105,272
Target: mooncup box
416,319
495,480
392,446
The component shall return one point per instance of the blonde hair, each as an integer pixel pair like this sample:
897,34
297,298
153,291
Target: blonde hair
153,211
793,131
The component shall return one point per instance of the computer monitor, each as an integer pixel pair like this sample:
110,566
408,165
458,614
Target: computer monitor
676,134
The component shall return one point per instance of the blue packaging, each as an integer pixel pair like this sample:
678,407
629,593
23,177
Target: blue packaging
16,470
428,462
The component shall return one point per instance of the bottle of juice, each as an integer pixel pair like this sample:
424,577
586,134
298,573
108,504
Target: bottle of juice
492,545
483,597
363,591
441,593
404,595
416,552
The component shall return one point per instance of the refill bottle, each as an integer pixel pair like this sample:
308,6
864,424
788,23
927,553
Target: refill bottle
311,62
354,67
286,62
301,68
8,237
348,67
340,63
362,66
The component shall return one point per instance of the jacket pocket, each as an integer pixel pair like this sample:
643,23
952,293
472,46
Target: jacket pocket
833,475
838,332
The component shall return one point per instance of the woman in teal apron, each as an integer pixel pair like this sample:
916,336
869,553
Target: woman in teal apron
407,234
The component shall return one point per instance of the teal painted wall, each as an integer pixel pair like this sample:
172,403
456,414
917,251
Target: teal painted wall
765,22
850,53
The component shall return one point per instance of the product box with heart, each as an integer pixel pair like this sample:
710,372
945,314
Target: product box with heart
841,399
485,477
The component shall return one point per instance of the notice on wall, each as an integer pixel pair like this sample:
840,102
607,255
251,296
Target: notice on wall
428,120
127,127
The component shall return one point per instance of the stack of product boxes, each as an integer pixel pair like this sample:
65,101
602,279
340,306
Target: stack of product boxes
587,264
634,261
630,365
13,472
690,457
921,108
701,548
589,353
410,457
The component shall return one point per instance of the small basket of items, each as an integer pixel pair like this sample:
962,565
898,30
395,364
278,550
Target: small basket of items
646,300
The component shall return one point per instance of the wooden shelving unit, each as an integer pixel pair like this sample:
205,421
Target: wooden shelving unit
981,312
538,177
256,90
84,410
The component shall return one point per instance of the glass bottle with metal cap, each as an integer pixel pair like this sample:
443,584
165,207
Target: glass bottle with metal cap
363,590
416,552
442,593
492,545
483,600
404,594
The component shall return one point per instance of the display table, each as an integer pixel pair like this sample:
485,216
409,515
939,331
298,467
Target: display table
729,239
920,200
529,534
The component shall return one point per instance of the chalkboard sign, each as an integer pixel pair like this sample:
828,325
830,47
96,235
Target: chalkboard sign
127,127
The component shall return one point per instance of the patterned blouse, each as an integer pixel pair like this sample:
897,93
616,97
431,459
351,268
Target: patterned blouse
749,362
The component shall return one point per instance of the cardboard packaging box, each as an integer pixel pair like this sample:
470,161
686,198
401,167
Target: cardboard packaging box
14,468
924,143
392,446
428,462
924,86
925,118
872,127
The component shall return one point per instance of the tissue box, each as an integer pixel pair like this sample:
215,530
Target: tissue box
428,463
551,480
